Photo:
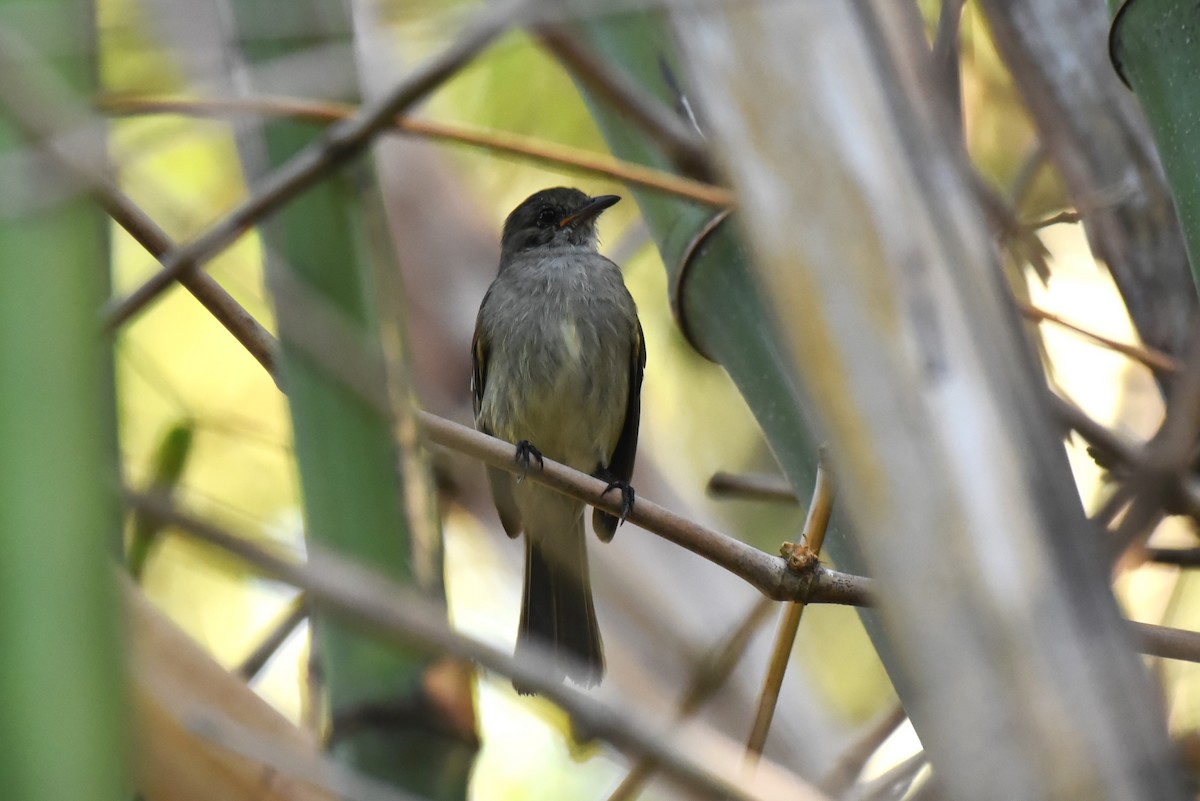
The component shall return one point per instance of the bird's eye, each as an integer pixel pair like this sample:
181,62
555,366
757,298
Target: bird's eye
547,217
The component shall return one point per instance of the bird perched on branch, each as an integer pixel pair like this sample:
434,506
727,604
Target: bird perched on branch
558,357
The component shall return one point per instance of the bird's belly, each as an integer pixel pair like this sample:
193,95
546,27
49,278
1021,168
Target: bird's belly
570,393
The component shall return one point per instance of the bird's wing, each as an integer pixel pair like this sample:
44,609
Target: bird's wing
479,354
620,465
500,481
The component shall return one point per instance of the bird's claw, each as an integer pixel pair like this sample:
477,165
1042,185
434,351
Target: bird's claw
627,496
526,453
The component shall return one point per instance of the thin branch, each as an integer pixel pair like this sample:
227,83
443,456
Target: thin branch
1069,217
1022,243
536,150
1126,461
1098,436
1175,441
45,111
1179,557
849,764
1166,642
751,487
812,539
1154,359
897,781
766,573
256,660
1113,505
259,342
681,144
1109,449
1157,478
340,143
768,698
402,615
770,575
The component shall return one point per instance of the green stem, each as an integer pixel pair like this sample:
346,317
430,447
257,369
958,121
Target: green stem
60,671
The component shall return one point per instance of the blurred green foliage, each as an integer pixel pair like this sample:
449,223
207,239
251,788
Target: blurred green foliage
62,730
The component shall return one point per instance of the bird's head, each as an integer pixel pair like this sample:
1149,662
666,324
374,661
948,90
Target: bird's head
558,217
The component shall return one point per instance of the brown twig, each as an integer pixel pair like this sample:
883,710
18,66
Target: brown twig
1126,462
1157,477
1105,446
402,615
1008,229
1156,360
537,150
812,539
768,574
751,487
341,142
681,144
1098,436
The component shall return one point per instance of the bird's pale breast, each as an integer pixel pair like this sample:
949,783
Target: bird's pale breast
561,329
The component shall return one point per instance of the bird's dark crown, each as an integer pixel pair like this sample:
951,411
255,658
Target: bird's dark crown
553,217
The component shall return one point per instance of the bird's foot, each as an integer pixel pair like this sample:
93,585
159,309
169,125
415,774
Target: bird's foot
627,493
525,454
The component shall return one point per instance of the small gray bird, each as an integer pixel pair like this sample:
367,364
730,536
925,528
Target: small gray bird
558,357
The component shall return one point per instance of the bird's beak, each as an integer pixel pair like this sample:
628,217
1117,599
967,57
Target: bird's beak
589,212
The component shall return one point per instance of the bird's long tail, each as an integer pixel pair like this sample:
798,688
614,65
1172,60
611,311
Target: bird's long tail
557,613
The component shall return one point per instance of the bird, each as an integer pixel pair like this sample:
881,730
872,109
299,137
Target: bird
557,361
